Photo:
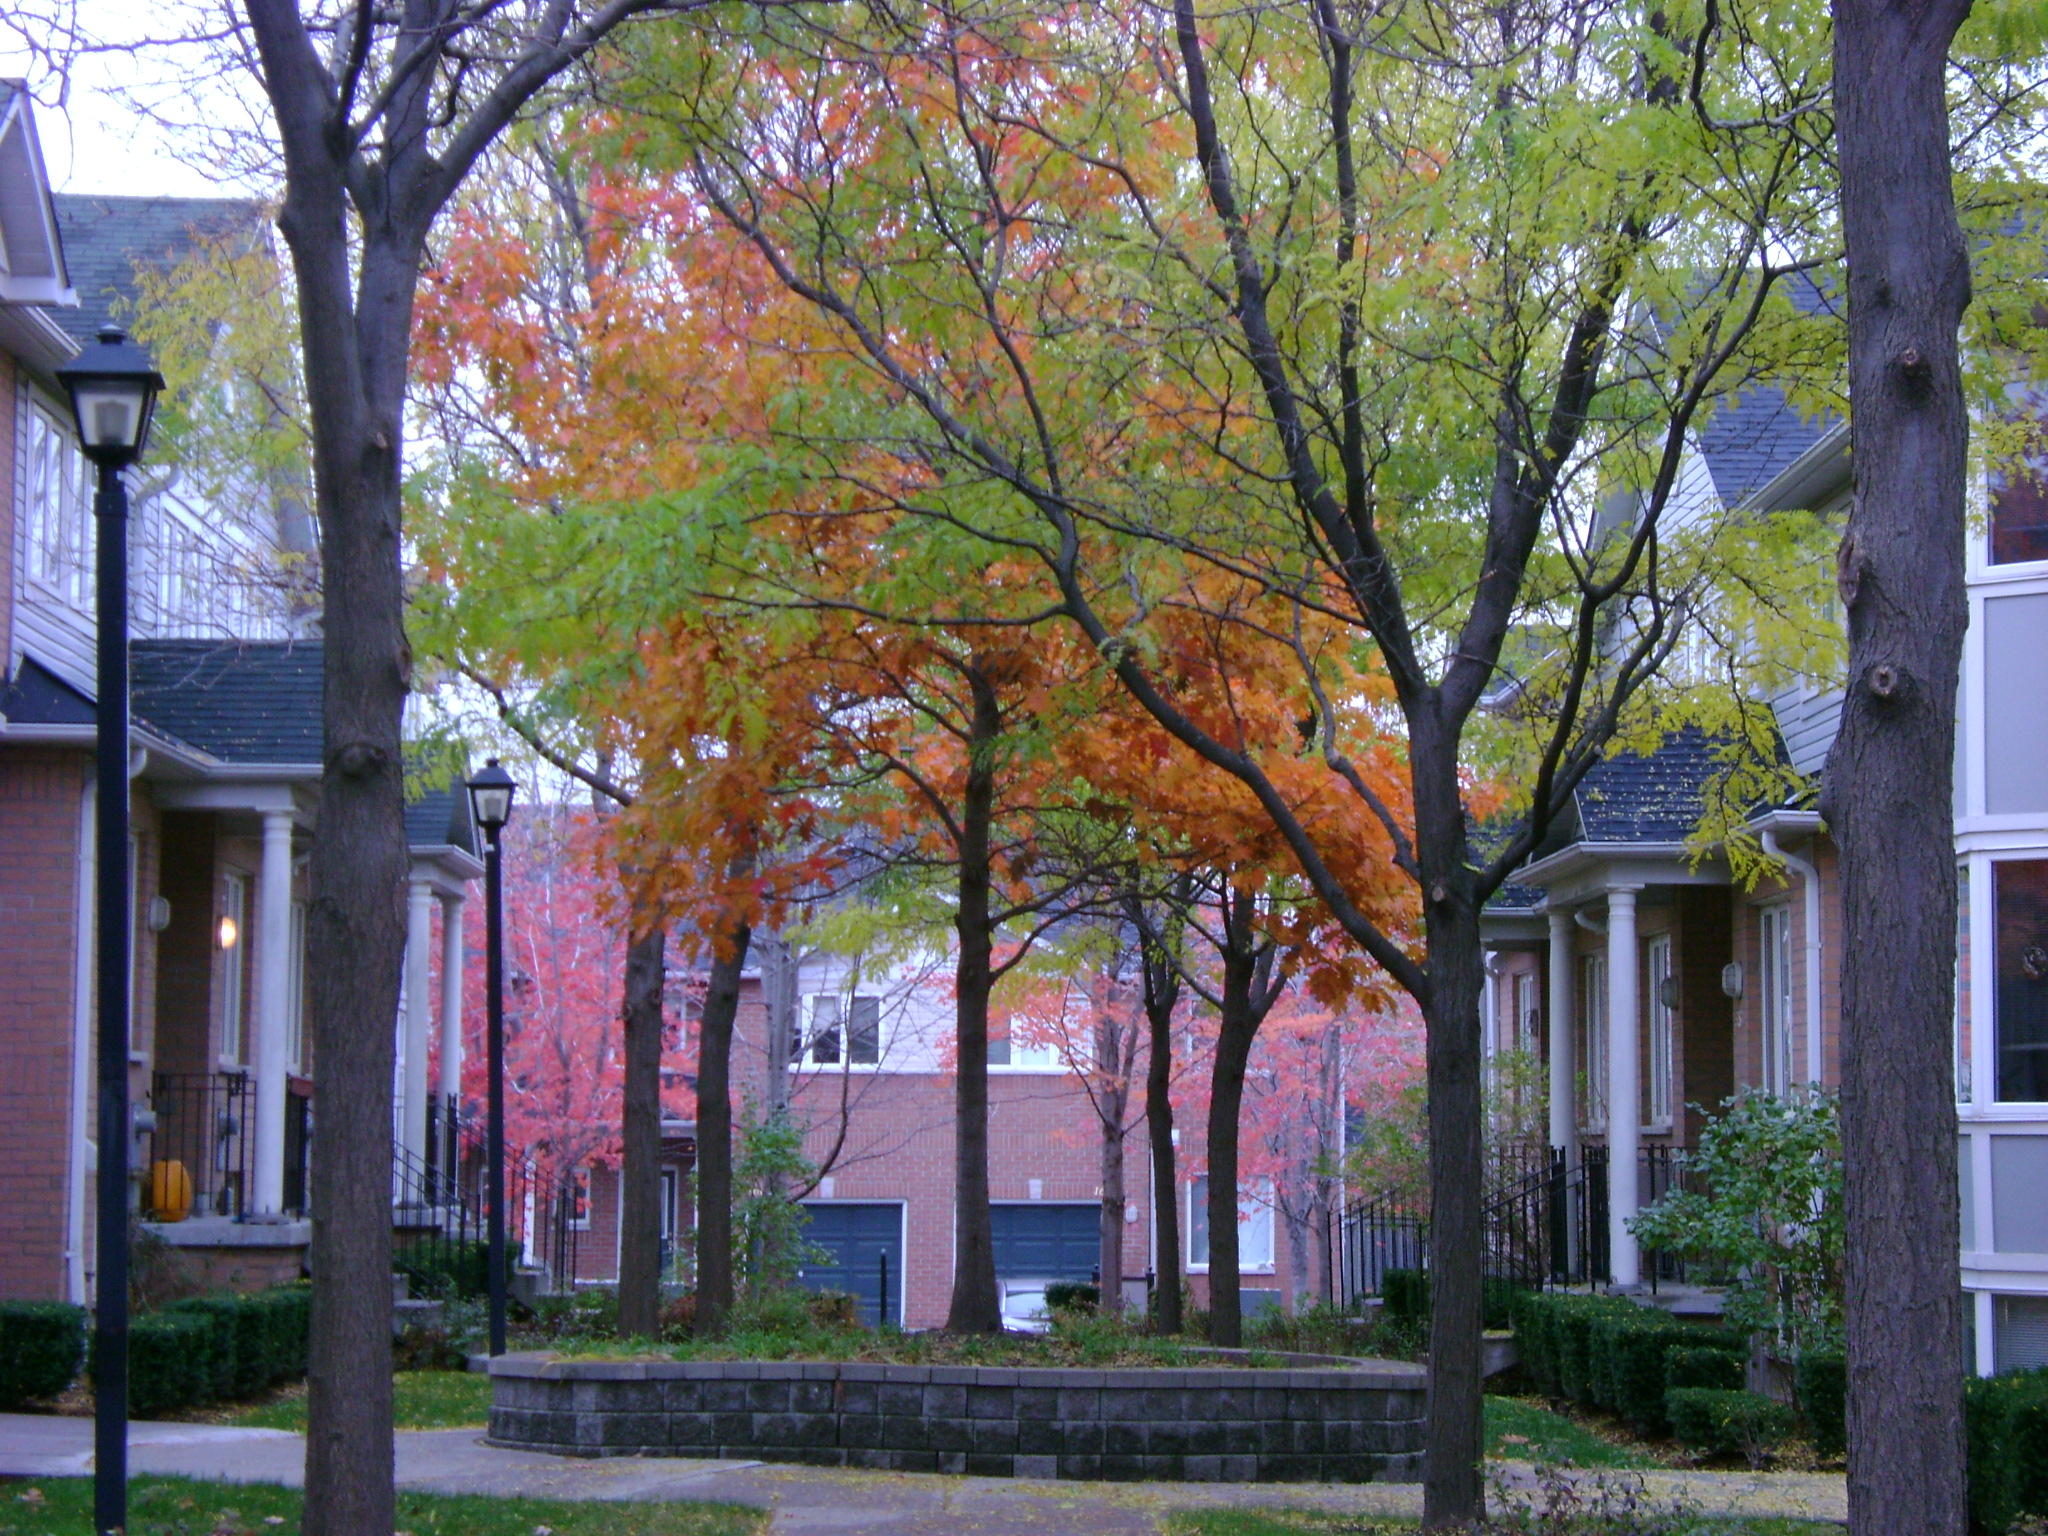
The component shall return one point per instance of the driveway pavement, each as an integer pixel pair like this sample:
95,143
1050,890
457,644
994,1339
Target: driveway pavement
813,1501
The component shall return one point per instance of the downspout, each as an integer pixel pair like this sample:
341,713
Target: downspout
1810,878
84,1154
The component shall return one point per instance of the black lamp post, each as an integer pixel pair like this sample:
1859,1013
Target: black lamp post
113,388
490,802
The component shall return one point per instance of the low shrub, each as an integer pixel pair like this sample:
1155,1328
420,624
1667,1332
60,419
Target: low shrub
288,1326
835,1309
1529,1315
42,1345
1405,1294
1405,1297
2006,1420
1572,1321
1628,1365
679,1317
1072,1296
1727,1423
1713,1366
1822,1379
420,1348
170,1362
237,1345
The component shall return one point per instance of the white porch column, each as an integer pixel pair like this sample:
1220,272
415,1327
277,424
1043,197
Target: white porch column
1624,1086
1564,1067
273,1006
451,998
419,1016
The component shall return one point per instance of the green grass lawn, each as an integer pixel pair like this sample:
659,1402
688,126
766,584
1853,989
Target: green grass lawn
420,1400
159,1506
1303,1522
1520,1430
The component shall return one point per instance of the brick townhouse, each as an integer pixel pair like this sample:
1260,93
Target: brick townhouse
1651,982
872,1085
225,756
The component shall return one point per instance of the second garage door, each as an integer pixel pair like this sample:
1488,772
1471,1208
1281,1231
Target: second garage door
1046,1240
860,1246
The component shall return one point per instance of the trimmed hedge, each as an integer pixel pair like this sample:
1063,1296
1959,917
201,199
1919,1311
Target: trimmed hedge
1072,1296
1629,1369
1822,1380
1718,1366
1727,1423
170,1362
42,1345
1405,1293
216,1349
2006,1419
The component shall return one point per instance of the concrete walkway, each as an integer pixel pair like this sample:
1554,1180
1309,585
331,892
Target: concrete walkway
816,1502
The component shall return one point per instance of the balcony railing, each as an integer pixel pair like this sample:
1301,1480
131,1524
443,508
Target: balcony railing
440,1212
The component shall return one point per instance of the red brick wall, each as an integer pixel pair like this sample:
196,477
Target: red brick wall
39,821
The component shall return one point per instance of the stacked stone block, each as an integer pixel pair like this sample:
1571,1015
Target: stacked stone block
1201,1425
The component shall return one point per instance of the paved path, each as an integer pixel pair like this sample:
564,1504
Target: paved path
813,1502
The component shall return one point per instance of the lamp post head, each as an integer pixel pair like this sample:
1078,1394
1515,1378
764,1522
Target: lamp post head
490,798
113,387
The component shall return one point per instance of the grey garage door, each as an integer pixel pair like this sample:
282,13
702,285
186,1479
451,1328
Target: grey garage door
1046,1241
863,1248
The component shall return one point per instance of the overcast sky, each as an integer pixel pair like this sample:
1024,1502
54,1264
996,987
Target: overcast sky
97,141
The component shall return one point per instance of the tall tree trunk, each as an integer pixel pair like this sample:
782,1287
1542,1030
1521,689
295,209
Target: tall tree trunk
1162,997
714,1136
1454,1490
1226,1100
356,927
1109,1277
974,1307
1888,786
640,1160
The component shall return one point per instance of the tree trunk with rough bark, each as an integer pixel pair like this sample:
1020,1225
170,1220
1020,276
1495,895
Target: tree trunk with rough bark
1162,995
1226,1099
640,1157
714,1137
1109,1264
1887,791
974,1307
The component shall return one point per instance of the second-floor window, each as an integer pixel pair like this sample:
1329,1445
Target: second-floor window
2017,491
844,1031
1254,1226
60,530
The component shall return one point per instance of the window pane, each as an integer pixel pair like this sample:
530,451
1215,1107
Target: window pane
1198,1222
864,1032
825,1031
2020,900
2018,493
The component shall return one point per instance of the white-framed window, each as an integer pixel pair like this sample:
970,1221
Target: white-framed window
231,939
1593,1039
1774,995
1660,1042
1254,1227
843,1031
295,993
60,530
2019,914
1528,1014
1021,1056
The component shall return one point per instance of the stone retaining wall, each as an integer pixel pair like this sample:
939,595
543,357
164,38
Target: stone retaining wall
1300,1424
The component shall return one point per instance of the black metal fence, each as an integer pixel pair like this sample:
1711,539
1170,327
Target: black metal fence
440,1216
204,1124
1544,1221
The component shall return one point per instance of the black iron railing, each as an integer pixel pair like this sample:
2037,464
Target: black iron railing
203,1124
440,1219
1544,1221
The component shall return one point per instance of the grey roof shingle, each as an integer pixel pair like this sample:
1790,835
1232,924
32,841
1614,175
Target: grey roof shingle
440,816
104,237
1757,433
1653,797
242,701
